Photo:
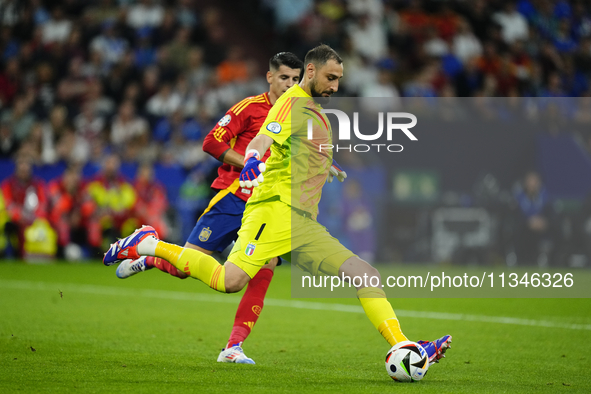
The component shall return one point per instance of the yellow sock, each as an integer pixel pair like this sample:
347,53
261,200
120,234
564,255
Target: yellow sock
195,264
380,313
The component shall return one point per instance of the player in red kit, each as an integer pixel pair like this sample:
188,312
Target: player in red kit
217,228
25,199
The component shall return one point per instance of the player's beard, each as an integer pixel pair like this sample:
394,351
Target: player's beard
318,95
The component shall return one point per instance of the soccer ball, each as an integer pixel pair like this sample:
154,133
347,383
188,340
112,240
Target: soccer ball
407,362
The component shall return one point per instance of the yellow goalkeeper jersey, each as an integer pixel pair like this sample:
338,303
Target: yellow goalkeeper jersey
298,166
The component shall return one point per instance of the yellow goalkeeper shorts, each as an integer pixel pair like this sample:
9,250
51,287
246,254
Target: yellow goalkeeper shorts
272,228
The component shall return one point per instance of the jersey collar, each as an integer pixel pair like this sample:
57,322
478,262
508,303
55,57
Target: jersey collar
299,91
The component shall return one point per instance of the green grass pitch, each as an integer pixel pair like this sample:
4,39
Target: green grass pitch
77,328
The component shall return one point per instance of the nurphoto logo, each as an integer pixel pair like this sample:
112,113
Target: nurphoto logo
344,133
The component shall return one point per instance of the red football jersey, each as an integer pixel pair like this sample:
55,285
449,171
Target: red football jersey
235,130
15,196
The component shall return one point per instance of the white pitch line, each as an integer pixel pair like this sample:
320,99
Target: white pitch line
234,299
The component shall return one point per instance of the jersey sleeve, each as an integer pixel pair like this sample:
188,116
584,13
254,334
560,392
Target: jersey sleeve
228,127
278,124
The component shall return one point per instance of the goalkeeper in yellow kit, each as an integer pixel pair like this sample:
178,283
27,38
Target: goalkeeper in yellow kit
280,217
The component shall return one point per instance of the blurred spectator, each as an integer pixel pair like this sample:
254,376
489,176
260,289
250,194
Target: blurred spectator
545,20
43,88
145,13
521,61
506,79
234,68
121,74
185,13
289,12
373,8
88,123
149,83
127,125
105,10
22,31
165,102
114,198
165,67
255,80
575,82
9,81
434,45
40,14
10,12
359,222
194,196
95,67
422,84
446,22
581,19
25,199
102,104
465,43
89,127
74,87
53,131
133,94
181,152
415,18
109,44
368,37
490,61
563,40
33,146
58,28
197,71
179,48
8,142
215,45
70,210
360,71
74,46
8,43
533,222
176,123
164,33
151,204
383,88
19,118
513,24
554,88
144,53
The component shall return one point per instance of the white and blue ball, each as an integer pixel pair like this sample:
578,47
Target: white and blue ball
407,362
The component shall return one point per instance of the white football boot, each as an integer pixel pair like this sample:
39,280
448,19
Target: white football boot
234,354
131,267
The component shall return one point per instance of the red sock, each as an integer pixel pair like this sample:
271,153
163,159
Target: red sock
250,306
164,266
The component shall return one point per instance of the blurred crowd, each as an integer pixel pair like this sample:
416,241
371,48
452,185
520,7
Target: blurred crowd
105,82
70,217
147,79
451,48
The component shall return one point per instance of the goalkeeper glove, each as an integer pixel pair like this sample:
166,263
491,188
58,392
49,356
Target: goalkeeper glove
251,174
336,171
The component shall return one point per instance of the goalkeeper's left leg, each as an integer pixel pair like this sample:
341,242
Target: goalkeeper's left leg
226,278
374,301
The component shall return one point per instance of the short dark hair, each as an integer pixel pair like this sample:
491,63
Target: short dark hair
322,54
285,59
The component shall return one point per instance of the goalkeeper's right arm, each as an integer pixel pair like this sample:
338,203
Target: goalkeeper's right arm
251,174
